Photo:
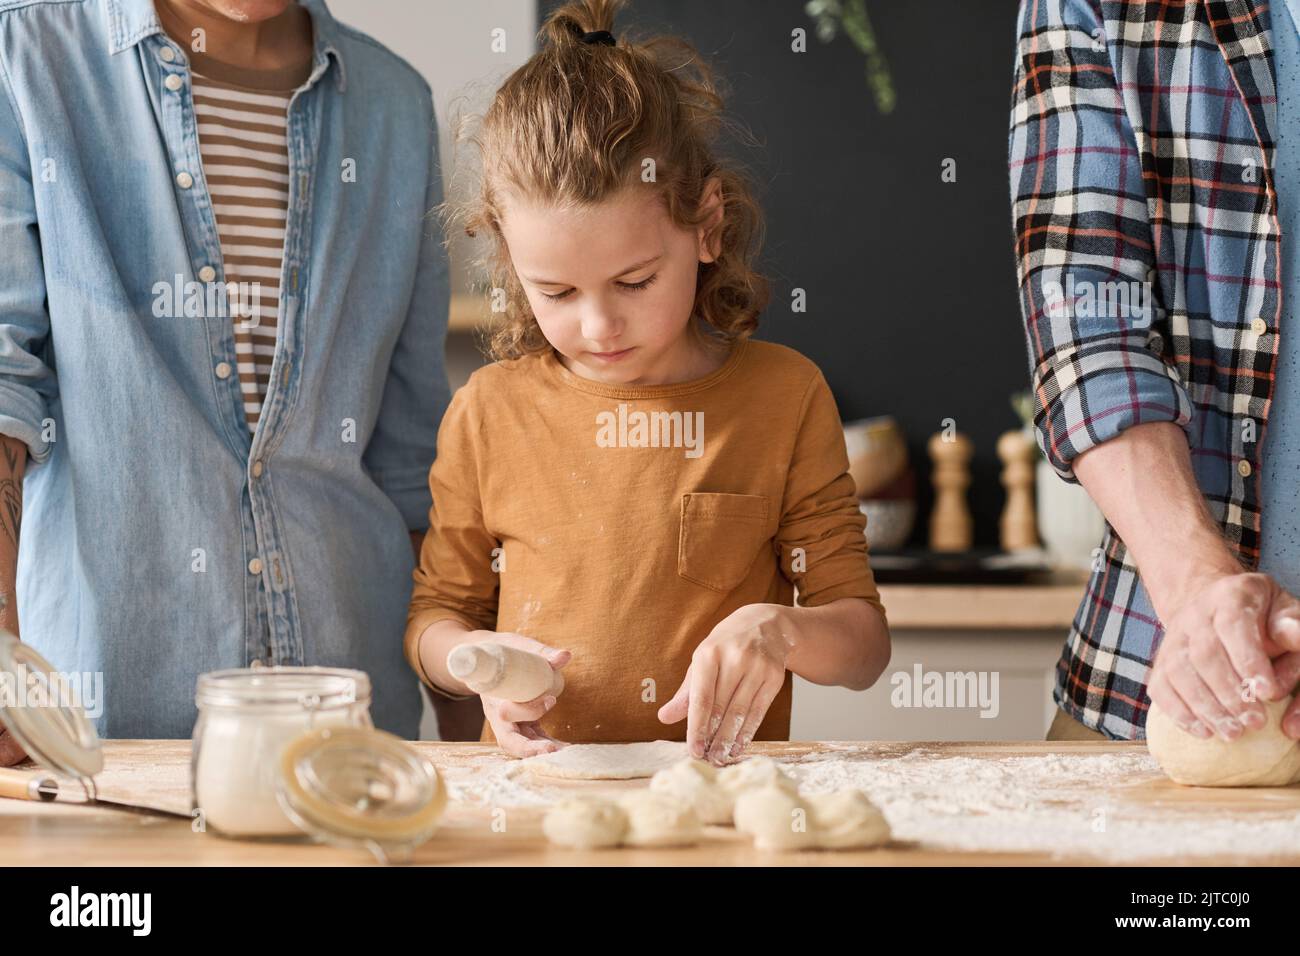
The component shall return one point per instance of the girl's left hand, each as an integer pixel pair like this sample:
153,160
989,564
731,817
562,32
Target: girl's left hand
735,674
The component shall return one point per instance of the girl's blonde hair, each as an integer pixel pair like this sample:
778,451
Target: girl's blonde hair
578,123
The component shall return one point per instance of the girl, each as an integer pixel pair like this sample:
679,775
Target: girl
636,480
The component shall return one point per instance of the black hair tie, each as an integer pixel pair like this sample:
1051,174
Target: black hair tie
598,36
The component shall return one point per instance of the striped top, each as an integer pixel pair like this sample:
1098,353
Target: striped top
246,164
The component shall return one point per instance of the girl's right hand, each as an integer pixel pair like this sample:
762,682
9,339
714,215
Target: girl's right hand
515,722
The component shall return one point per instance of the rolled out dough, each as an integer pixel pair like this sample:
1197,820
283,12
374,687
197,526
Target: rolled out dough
608,761
1258,758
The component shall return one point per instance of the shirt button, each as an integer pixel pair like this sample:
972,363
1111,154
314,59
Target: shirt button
167,54
207,274
257,469
173,82
184,180
1243,468
223,370
255,566
1259,326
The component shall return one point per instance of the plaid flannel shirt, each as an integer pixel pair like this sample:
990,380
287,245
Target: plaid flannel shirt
1141,150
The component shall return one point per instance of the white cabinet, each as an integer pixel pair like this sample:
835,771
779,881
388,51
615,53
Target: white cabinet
975,649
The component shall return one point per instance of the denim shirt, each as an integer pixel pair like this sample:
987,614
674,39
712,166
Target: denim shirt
160,538
1280,531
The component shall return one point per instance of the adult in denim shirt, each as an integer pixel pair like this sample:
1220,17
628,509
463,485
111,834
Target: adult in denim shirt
160,537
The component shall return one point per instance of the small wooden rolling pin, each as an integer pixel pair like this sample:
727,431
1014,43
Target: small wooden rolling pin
27,785
505,672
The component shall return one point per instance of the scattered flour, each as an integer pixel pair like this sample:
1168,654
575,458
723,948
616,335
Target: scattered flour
496,782
1062,805
1058,804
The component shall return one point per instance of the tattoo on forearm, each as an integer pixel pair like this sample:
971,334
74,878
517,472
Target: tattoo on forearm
11,508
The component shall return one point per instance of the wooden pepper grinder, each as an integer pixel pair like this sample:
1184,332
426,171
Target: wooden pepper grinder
1018,527
951,525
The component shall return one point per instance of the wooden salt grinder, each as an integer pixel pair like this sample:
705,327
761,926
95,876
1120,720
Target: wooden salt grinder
1018,527
951,525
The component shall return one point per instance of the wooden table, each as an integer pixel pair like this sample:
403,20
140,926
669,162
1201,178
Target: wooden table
157,773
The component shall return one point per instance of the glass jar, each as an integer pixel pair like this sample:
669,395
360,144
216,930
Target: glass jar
246,719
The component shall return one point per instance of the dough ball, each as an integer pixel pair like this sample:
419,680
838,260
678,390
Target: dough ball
1258,758
755,772
846,820
776,817
696,783
658,819
585,823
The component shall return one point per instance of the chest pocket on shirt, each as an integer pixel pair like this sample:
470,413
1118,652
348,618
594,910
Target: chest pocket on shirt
719,538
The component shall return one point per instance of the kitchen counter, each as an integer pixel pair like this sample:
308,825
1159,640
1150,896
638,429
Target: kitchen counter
1013,631
988,607
157,773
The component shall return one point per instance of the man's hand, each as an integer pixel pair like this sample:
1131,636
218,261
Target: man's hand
1223,625
735,674
1216,661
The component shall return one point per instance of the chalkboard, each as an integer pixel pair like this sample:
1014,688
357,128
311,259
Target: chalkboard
912,308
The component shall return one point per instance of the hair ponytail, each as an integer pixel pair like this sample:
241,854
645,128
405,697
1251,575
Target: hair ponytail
584,119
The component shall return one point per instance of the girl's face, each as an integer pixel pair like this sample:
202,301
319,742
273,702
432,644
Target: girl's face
613,285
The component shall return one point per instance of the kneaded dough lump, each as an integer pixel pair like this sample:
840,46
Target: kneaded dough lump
754,772
695,782
775,817
1258,758
846,820
585,823
781,819
636,818
657,819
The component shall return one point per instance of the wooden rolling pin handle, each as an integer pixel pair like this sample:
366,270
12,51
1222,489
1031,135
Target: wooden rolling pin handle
509,673
26,785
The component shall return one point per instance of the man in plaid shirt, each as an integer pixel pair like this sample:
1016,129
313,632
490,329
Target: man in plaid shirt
1154,245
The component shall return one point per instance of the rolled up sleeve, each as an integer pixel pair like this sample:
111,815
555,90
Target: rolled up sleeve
1085,259
27,383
